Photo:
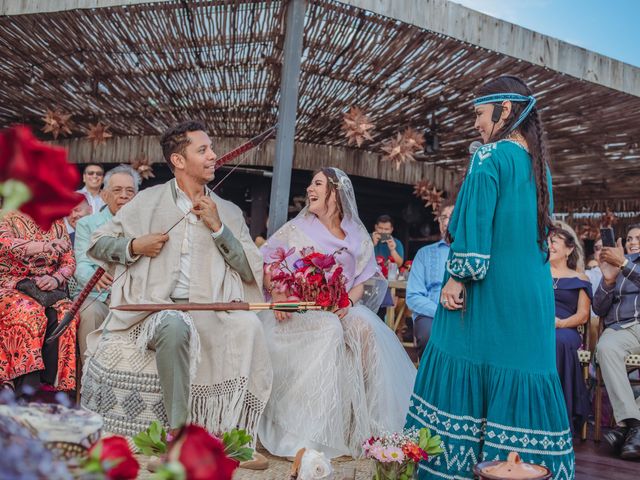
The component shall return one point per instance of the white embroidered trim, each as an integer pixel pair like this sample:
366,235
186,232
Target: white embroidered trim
525,430
440,412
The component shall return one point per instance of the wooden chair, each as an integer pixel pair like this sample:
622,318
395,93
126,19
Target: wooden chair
585,354
632,362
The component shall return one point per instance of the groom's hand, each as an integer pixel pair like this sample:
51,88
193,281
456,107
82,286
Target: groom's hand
207,211
149,245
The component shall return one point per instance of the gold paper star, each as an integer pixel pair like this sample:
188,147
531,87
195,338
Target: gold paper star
57,123
143,165
414,139
356,126
433,199
397,151
98,133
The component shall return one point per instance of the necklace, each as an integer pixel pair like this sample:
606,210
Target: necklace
555,283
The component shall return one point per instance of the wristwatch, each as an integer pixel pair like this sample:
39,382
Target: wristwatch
624,264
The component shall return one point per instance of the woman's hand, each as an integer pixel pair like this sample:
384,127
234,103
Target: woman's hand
58,246
280,297
46,283
341,312
559,323
451,295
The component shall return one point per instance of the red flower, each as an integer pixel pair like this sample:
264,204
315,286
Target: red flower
116,459
344,300
44,170
202,455
324,262
324,299
414,452
308,259
315,279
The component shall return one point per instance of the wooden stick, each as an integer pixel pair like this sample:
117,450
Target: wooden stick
219,306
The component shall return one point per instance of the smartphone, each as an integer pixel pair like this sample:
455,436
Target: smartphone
385,237
608,237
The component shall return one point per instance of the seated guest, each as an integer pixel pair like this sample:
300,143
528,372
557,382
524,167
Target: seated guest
120,186
572,292
81,210
384,244
425,282
616,300
92,178
34,271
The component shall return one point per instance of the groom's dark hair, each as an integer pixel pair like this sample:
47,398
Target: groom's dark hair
175,139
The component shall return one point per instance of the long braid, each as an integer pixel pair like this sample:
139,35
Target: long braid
540,157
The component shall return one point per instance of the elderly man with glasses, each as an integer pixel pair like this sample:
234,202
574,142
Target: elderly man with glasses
120,186
92,178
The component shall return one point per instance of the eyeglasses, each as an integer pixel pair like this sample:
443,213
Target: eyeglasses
94,173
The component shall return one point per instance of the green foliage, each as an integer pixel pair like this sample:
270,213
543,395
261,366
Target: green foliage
153,441
430,443
236,445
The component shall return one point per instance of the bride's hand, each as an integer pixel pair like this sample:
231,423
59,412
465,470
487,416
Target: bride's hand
341,312
280,297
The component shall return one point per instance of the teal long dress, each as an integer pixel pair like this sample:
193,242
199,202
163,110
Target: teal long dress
488,382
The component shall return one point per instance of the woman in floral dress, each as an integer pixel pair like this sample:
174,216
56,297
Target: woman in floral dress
44,261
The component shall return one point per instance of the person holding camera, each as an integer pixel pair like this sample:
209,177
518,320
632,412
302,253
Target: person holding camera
616,300
384,244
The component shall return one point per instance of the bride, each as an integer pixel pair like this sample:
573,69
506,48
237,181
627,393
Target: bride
339,377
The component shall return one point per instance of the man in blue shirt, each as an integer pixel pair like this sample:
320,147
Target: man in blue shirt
425,282
384,244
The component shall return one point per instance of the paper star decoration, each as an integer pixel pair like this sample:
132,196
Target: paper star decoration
356,127
402,147
56,123
143,165
426,191
98,133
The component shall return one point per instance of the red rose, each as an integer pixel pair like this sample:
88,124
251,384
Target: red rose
315,279
202,455
324,299
44,170
308,259
344,300
116,459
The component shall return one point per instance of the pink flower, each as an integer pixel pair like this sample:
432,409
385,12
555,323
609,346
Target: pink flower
392,454
280,255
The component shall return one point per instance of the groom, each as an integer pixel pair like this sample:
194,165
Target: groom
213,367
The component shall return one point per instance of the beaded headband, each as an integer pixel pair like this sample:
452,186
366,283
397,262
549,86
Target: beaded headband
512,97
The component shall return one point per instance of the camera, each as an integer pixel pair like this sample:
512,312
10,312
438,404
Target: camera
385,237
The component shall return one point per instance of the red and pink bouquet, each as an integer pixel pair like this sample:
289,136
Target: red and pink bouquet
314,277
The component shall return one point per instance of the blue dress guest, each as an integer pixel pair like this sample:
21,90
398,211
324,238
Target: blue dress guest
488,383
572,291
425,282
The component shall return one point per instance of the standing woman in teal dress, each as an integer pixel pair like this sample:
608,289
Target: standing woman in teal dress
488,382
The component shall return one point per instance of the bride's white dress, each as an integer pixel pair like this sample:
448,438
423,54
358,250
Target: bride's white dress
335,382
